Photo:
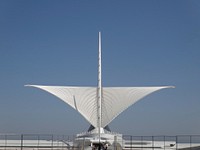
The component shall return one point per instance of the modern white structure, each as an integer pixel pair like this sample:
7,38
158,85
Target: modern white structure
99,105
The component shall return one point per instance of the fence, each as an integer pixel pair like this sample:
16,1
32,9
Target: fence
64,142
35,142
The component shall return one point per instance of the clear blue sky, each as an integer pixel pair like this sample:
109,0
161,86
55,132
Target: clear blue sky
144,43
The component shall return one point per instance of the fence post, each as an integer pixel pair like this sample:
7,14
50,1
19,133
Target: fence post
62,141
83,143
142,142
131,141
115,142
52,141
5,141
190,142
164,142
38,143
153,142
21,141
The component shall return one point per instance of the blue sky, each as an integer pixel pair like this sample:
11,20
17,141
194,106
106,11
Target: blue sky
144,43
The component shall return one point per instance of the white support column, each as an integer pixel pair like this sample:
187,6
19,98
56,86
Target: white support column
99,90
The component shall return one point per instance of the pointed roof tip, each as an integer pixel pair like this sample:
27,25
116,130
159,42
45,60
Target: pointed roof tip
169,87
29,85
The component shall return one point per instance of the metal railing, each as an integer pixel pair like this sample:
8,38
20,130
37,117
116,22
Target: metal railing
35,142
64,142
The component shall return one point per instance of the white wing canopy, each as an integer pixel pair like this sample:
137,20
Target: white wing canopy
84,99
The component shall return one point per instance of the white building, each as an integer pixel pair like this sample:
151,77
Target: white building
100,105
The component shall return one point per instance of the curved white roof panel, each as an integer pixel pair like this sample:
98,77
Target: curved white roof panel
99,105
114,100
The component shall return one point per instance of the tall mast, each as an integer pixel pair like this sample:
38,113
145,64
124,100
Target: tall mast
99,90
